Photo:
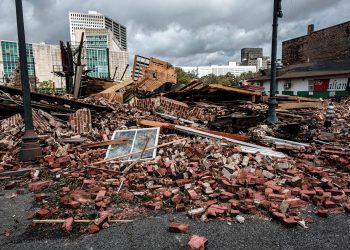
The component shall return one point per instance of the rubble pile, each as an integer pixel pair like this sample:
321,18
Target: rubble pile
206,178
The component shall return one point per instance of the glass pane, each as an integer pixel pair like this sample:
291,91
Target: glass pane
124,148
150,137
137,139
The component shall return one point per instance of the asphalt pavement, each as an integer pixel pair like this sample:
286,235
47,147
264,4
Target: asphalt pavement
151,233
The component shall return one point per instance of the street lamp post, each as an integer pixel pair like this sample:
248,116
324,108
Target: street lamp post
30,147
271,115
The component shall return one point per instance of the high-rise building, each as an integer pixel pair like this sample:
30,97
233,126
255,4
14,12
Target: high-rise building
254,57
41,58
102,55
95,20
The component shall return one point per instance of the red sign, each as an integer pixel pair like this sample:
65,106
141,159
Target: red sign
321,85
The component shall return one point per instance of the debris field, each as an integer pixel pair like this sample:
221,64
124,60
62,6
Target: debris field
191,149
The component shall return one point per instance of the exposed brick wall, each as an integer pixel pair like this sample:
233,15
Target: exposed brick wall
80,121
171,107
325,44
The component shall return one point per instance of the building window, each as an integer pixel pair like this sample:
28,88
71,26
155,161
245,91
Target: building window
287,85
311,86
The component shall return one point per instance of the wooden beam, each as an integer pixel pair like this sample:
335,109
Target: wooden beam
296,105
232,89
105,143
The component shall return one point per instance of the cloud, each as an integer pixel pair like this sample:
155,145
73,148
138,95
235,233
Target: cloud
184,32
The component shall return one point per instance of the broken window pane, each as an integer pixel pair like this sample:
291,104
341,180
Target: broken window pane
137,139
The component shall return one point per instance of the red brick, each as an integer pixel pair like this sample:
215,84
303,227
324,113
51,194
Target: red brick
102,219
126,195
265,204
319,190
40,197
248,202
43,213
193,195
178,228
305,197
289,222
338,198
197,242
276,197
65,189
35,186
215,210
182,182
63,159
154,205
308,192
330,204
167,194
92,229
74,204
322,213
347,207
234,212
278,215
180,207
295,203
234,203
68,224
177,198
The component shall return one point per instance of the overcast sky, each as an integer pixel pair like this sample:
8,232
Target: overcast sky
184,32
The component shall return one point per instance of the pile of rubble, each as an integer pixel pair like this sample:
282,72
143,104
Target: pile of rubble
202,174
176,148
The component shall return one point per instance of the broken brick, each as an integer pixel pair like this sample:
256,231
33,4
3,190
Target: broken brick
178,228
177,198
197,242
92,229
68,224
35,186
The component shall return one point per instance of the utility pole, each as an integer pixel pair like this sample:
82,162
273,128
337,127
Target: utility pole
271,115
30,147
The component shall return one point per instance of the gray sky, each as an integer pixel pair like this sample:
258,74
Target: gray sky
184,32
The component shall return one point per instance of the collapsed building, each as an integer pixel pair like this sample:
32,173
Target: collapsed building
147,144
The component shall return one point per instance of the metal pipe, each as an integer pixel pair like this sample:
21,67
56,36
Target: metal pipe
30,148
271,115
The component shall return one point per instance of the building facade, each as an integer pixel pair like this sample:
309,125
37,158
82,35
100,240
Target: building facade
102,55
95,20
325,44
219,70
319,80
254,57
41,58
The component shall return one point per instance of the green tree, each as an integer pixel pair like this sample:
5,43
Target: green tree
184,77
46,86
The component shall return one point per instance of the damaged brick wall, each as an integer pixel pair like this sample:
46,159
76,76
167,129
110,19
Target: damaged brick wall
80,121
325,44
172,107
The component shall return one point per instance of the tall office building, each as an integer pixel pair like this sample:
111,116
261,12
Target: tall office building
102,55
42,59
254,57
95,20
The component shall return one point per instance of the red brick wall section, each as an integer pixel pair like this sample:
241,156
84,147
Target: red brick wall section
80,121
11,122
40,123
325,44
171,107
